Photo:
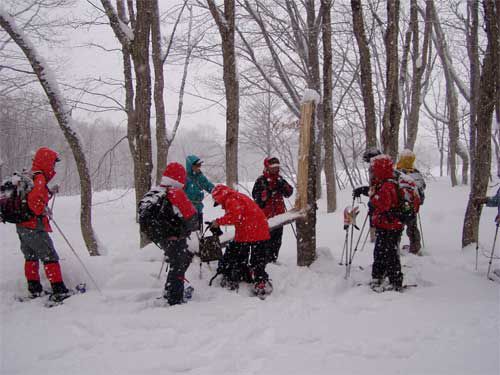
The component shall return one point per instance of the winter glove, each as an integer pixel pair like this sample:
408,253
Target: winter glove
497,219
54,189
356,193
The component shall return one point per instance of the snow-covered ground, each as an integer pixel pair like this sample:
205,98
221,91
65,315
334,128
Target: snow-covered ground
315,322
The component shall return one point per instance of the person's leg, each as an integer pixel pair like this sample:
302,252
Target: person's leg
31,263
274,244
393,262
258,261
414,236
180,258
379,256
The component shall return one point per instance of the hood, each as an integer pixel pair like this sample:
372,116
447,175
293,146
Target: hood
220,193
174,175
190,160
44,161
382,167
406,160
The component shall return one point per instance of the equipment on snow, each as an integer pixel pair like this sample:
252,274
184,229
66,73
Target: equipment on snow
389,287
263,289
210,246
14,198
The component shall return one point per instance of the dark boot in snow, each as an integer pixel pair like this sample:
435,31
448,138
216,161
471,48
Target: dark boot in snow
59,292
35,288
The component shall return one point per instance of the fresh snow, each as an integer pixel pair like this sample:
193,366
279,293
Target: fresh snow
315,322
311,96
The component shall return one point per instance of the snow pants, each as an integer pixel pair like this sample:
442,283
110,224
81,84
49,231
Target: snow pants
414,236
235,265
386,260
274,244
179,258
36,245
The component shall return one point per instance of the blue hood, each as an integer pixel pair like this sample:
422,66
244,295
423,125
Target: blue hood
190,159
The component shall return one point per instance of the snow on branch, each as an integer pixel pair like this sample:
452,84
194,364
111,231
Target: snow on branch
311,96
122,31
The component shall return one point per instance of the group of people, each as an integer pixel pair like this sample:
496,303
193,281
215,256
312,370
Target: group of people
254,244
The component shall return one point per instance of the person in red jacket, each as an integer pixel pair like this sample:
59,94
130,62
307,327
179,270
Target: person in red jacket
268,192
175,244
251,238
384,201
36,243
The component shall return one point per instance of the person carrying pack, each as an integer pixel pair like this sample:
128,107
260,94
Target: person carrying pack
268,192
196,183
36,244
406,168
250,238
385,204
167,217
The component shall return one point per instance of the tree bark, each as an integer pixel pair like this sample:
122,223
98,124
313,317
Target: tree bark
331,189
63,116
486,104
161,132
306,197
451,94
392,107
226,25
419,65
366,73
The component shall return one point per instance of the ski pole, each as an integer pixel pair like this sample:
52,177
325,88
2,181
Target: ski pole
346,248
161,268
76,255
477,251
342,256
492,252
359,238
421,231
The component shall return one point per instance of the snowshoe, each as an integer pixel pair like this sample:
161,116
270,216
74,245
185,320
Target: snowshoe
57,299
31,296
229,284
389,287
262,289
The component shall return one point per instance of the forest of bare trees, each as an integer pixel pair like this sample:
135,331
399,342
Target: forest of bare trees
419,74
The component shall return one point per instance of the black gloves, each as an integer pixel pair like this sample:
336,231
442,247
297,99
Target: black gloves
356,193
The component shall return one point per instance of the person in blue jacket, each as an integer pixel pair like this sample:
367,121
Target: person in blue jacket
196,183
491,202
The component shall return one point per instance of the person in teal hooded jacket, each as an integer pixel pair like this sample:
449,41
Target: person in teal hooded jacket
196,183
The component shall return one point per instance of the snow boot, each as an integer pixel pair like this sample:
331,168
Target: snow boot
263,288
59,292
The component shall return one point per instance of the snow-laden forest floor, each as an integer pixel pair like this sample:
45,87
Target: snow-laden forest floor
315,322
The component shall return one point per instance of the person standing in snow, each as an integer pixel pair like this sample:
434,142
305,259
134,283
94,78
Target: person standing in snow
268,192
251,238
384,200
36,244
405,166
364,190
175,245
196,183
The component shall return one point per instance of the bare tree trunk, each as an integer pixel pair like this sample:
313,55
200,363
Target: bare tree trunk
451,94
225,23
419,65
306,227
161,132
331,190
475,72
366,73
63,116
486,104
392,108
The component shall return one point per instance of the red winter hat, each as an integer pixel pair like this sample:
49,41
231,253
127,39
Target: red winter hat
44,161
382,167
174,175
271,162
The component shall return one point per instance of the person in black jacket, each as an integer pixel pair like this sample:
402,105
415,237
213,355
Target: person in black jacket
268,192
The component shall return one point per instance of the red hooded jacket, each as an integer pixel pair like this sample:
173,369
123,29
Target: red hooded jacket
43,170
384,195
248,219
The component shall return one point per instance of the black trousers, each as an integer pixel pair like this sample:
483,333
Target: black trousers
274,244
386,258
179,258
235,264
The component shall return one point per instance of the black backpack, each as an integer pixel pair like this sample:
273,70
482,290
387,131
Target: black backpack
157,218
14,198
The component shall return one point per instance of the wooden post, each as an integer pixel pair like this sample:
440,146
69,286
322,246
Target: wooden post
306,187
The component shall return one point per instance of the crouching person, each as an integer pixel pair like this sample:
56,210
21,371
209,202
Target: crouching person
385,203
250,239
36,243
175,217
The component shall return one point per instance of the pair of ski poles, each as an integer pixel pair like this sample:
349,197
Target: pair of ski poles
492,252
